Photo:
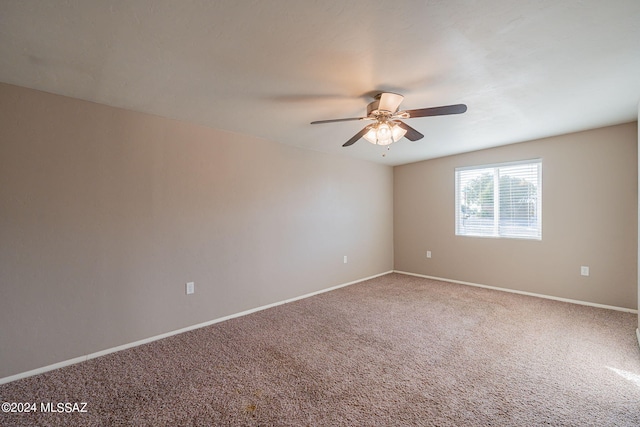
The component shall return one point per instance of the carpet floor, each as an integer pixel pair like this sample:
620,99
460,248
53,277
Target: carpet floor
396,350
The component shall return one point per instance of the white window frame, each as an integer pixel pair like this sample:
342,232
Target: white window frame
535,233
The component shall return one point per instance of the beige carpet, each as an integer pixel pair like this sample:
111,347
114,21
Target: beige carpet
395,350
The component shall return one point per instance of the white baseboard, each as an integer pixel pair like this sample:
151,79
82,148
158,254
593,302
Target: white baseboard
513,291
86,357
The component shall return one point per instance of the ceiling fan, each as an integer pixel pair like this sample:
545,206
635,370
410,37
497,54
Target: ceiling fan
387,128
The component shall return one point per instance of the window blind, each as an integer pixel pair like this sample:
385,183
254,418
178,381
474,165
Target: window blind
501,200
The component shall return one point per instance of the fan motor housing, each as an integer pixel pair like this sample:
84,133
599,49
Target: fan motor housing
385,104
373,107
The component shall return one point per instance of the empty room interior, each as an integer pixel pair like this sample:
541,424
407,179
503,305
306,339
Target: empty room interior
319,213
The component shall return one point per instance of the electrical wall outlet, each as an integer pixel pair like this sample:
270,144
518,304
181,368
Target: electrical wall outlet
584,270
191,288
428,254
345,259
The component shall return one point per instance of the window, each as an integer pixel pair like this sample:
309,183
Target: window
501,200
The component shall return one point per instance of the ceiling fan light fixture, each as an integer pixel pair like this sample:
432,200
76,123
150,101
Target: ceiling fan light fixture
397,132
384,136
384,133
371,134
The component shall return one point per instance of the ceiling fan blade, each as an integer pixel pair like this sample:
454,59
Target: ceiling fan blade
434,111
356,137
390,101
412,134
317,122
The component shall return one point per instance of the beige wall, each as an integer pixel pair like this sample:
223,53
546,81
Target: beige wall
590,193
106,213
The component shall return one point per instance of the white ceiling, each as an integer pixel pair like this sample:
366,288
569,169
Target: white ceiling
526,69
